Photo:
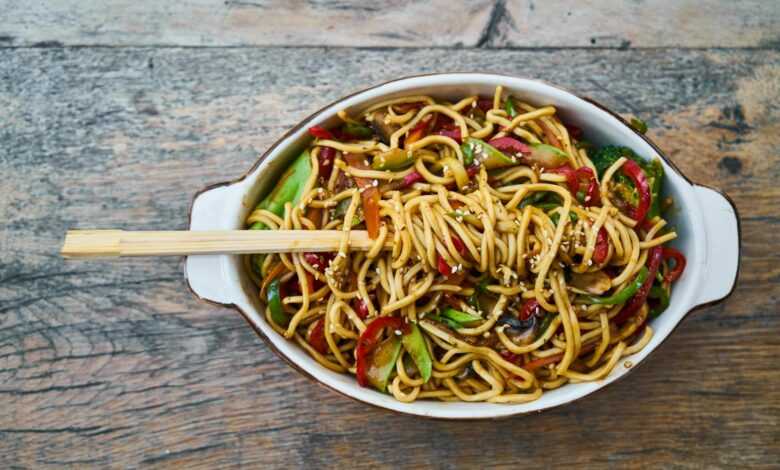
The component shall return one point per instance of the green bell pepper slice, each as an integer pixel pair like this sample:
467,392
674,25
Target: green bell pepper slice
394,159
624,294
461,318
341,209
557,216
256,263
289,189
491,157
357,130
443,320
662,296
274,300
382,362
414,343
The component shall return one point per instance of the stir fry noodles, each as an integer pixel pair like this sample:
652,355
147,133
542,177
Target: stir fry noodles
510,256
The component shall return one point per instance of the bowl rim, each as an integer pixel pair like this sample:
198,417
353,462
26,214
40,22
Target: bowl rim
313,115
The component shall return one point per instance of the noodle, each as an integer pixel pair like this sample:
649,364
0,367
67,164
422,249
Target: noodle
507,260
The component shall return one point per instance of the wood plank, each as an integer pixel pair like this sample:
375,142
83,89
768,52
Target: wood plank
622,24
116,364
399,23
350,23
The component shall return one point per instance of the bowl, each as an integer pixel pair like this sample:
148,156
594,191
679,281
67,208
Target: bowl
706,221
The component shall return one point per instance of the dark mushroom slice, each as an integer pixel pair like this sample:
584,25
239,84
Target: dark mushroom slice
382,128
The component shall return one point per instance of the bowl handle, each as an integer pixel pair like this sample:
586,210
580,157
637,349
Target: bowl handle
722,246
205,274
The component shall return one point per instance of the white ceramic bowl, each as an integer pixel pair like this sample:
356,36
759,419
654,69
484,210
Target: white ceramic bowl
706,222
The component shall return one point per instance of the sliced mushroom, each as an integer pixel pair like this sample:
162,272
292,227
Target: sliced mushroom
520,332
596,282
382,128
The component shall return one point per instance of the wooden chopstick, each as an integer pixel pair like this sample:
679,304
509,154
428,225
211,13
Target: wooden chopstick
114,243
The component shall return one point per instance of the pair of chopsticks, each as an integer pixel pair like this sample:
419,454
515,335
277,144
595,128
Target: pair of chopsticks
116,243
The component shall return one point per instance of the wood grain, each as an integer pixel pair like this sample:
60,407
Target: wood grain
396,23
117,364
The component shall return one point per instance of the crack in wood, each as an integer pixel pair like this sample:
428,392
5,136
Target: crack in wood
180,453
497,13
53,388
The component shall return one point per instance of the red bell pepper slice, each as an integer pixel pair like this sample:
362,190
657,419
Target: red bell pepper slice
294,286
443,267
418,131
369,194
632,170
369,340
321,133
361,308
584,173
325,161
571,177
510,356
574,131
371,199
411,178
451,133
315,260
679,264
510,146
485,104
635,303
601,250
460,247
575,178
593,194
530,307
317,337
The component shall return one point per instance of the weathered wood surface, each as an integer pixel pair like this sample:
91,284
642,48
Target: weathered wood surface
397,23
116,363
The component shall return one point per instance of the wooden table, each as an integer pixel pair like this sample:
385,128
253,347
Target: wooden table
112,114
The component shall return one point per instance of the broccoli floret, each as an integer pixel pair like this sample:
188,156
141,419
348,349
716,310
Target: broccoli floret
604,157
